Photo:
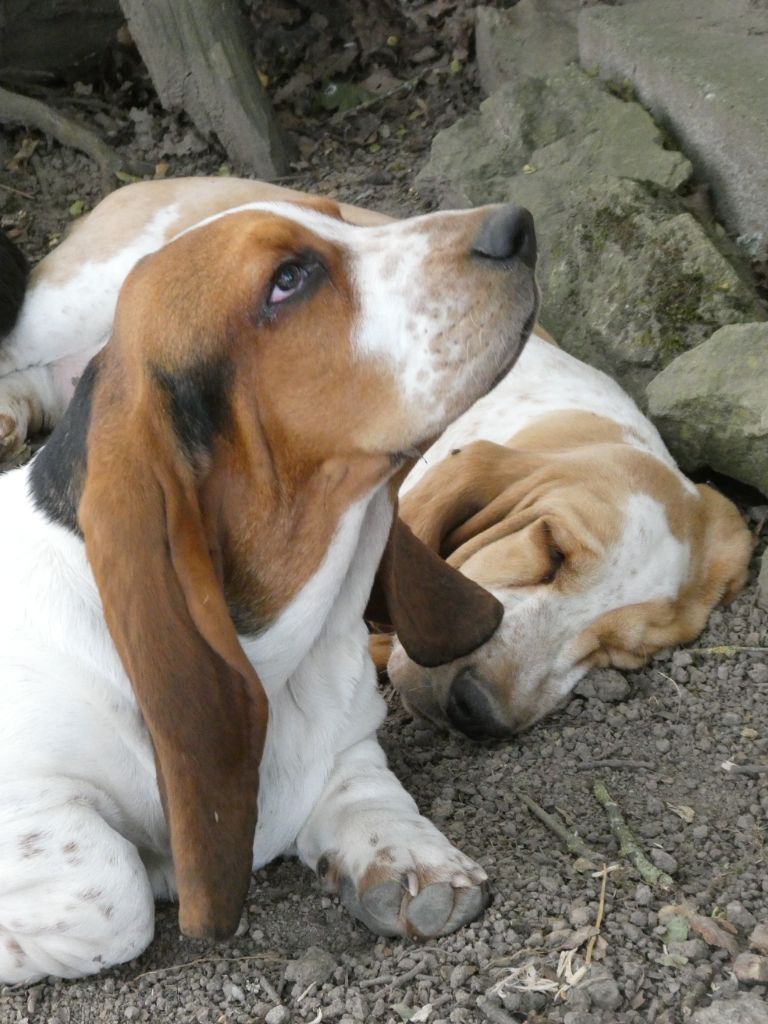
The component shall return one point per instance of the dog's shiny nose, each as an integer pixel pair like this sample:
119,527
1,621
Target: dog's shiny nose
507,233
469,709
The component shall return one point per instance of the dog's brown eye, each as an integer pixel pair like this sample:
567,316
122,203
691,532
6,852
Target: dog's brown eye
287,281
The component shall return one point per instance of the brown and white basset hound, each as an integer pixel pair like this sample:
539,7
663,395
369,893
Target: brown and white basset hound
185,685
557,495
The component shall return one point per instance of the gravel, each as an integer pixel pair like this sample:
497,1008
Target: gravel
299,957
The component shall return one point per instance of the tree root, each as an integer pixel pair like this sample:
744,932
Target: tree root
17,109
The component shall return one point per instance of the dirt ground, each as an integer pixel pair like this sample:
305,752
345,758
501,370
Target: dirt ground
658,737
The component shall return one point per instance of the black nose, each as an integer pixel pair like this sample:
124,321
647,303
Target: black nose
508,233
469,709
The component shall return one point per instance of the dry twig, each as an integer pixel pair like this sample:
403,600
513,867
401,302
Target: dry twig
603,875
628,845
574,844
615,763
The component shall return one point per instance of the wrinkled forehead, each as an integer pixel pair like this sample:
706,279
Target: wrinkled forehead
417,232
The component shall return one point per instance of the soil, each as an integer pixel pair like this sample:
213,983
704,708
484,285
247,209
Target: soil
658,738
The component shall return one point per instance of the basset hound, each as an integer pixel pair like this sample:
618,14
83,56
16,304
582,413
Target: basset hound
185,685
557,495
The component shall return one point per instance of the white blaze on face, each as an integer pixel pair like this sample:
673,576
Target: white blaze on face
446,324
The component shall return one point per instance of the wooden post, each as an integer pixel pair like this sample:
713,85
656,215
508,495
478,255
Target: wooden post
198,56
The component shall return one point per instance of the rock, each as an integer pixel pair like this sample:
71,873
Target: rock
759,938
664,861
278,1015
691,949
565,124
762,583
532,38
745,1009
710,404
603,991
315,966
738,914
610,686
630,280
699,66
751,968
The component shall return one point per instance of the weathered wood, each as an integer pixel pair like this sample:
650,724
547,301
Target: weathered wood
198,56
54,36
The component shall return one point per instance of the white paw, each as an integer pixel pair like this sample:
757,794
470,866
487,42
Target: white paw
420,885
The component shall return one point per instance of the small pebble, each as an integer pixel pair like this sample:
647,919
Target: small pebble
278,1015
643,895
604,993
759,938
664,861
751,968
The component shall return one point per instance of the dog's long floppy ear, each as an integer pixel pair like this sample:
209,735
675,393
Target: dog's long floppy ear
472,483
438,614
153,553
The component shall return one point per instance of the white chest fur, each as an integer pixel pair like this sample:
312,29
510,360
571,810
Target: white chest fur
67,708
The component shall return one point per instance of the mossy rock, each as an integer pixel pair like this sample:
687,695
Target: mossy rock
567,122
631,280
711,404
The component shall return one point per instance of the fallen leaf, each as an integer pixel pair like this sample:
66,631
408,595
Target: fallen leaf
76,208
23,153
713,934
678,927
683,811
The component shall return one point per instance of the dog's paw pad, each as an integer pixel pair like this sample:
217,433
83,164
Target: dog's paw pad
399,907
430,911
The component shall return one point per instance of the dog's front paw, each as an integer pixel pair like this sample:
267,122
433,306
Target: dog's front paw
12,437
423,887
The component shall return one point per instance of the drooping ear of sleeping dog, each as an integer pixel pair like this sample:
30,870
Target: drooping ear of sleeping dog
14,271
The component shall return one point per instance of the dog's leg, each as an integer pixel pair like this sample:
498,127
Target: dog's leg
31,401
391,866
74,894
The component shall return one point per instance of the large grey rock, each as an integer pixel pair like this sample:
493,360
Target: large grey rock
701,67
745,1009
535,37
630,280
566,121
711,404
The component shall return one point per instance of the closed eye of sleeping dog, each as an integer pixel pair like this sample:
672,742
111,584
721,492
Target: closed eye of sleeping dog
185,688
556,494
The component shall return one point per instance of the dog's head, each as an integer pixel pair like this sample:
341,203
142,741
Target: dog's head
269,372
601,555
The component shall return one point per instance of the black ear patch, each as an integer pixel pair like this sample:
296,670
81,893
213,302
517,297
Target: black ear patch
199,403
14,272
58,470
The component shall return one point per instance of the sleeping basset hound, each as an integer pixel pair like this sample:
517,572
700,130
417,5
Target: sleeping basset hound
556,494
185,685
